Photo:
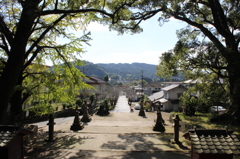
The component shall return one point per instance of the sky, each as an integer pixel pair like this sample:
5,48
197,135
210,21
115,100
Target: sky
145,47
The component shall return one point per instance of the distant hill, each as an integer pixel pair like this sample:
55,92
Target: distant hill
126,69
133,70
91,69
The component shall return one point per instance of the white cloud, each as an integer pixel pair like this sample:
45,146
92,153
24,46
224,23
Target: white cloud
94,26
149,57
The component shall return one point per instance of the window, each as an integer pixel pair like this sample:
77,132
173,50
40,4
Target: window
179,94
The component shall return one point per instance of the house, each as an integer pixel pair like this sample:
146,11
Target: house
169,97
101,88
156,96
151,88
165,84
99,84
11,141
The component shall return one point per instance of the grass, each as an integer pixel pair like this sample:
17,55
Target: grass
202,120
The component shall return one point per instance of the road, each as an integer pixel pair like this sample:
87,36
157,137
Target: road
56,120
122,104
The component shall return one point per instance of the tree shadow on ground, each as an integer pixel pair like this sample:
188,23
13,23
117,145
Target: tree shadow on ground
167,138
88,154
40,149
145,143
158,154
136,145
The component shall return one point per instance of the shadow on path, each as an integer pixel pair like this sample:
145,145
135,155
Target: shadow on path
52,150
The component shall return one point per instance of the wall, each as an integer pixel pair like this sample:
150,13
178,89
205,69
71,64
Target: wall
173,94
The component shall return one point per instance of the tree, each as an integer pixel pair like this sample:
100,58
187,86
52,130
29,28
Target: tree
29,30
106,78
189,102
142,82
209,44
207,91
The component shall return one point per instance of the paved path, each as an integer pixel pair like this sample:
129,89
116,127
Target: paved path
121,135
122,105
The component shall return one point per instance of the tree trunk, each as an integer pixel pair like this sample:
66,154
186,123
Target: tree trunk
16,57
234,82
16,107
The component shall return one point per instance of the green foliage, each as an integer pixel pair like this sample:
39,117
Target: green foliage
167,66
105,78
208,91
38,28
60,85
79,102
42,108
129,71
189,103
142,82
92,97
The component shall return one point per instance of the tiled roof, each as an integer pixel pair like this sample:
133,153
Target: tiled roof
156,96
153,85
163,100
7,133
94,80
168,88
219,141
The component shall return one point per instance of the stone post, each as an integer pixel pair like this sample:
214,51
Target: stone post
50,124
159,122
141,112
86,117
176,126
77,124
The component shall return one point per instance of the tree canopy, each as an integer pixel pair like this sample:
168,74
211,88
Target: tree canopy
29,31
208,45
29,34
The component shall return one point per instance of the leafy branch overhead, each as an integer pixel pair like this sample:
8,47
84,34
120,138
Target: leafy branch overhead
30,32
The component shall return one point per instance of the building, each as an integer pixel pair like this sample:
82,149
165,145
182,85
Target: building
101,88
169,97
99,84
151,88
156,96
11,141
165,84
213,143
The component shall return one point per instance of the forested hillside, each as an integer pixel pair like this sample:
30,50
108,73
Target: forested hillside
133,70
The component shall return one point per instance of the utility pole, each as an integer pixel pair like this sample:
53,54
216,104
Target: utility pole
84,70
142,84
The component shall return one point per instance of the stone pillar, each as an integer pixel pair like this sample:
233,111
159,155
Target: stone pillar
77,124
50,124
176,126
106,110
101,110
86,117
141,112
159,122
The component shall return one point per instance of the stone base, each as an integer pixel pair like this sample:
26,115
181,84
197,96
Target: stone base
86,119
76,127
141,113
47,140
159,127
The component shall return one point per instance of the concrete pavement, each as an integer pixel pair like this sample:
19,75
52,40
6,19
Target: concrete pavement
121,135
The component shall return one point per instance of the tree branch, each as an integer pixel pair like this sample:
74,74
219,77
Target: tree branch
6,32
48,12
42,36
